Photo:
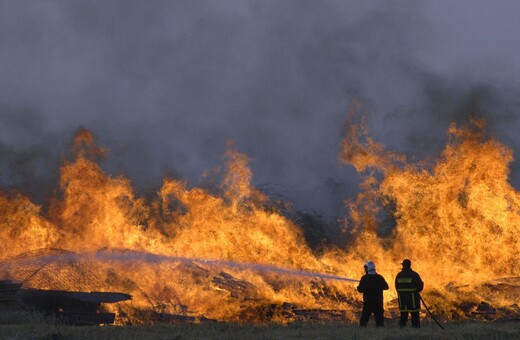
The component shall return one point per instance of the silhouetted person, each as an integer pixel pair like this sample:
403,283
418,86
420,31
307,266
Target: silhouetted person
372,285
408,285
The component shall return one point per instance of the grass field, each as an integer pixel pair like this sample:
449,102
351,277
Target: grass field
25,325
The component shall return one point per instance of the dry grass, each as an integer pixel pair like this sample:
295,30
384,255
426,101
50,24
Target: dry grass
26,325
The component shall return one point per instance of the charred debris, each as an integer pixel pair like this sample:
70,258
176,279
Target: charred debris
77,308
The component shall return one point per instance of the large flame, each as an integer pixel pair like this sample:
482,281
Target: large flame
459,218
226,253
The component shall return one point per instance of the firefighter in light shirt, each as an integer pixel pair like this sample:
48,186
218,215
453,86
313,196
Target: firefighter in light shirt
372,285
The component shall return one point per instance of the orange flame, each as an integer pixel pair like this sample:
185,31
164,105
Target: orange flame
458,221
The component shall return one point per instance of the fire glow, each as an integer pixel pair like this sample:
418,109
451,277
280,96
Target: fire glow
228,254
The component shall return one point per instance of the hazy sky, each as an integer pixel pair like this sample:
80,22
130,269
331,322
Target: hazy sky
164,84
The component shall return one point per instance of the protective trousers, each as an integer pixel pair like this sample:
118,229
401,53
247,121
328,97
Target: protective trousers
409,302
368,309
415,319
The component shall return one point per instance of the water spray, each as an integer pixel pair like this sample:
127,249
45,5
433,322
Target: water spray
154,258
127,255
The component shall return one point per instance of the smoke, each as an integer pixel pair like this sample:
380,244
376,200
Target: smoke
164,84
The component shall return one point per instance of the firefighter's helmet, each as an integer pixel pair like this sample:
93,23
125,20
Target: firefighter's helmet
370,266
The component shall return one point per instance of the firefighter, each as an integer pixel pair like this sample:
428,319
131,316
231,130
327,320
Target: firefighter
408,285
372,285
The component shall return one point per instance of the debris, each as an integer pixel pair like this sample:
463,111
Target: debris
77,308
9,293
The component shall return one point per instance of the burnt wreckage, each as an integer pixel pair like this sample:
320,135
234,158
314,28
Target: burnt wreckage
78,308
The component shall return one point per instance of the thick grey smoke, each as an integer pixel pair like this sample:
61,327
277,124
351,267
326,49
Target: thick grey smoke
164,84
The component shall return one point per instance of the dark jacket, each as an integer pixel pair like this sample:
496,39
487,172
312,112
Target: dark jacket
372,286
408,285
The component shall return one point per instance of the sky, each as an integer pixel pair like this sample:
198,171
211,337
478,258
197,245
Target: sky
163,85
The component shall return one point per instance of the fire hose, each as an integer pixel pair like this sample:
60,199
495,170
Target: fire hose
428,310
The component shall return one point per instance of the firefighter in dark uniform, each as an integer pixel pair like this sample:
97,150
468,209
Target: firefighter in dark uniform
408,285
372,285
